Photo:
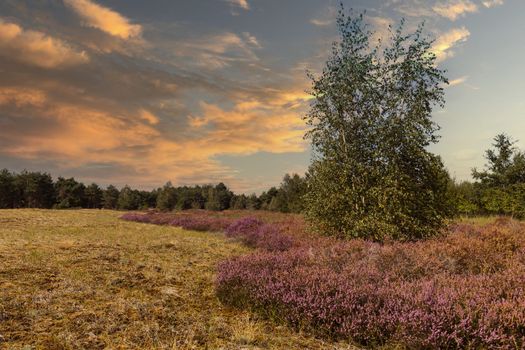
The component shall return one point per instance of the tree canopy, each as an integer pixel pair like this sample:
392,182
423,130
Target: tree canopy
370,125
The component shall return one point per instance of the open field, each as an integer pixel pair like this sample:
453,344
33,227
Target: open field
86,280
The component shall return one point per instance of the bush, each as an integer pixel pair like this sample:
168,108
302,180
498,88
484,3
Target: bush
243,227
201,223
256,234
462,291
186,221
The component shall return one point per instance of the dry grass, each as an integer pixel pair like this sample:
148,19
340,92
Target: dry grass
86,280
477,220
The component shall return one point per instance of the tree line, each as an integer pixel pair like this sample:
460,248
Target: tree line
38,190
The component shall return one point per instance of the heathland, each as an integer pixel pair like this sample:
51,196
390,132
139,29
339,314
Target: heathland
94,279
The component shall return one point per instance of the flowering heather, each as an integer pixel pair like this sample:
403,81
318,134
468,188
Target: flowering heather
255,233
466,290
200,223
189,221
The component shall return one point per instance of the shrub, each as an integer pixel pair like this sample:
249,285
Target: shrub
186,221
200,223
256,234
461,291
243,227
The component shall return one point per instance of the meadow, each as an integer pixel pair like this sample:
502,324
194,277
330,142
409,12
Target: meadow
84,279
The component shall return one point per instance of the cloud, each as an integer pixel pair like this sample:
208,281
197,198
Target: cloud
149,117
454,9
451,9
251,39
165,113
219,50
444,44
411,8
39,125
321,22
326,17
21,97
36,48
104,19
492,3
240,3
73,136
253,125
458,81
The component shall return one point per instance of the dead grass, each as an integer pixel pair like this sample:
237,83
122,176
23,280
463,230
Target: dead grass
86,280
477,220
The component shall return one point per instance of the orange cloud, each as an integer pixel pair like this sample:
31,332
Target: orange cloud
75,135
251,126
445,43
220,50
104,19
241,3
321,22
21,97
149,117
36,48
458,81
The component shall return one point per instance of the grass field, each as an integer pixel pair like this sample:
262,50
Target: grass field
87,280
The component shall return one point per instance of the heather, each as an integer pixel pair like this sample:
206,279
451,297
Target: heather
465,290
255,233
193,221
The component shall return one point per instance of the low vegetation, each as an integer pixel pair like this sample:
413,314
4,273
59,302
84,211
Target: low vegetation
463,289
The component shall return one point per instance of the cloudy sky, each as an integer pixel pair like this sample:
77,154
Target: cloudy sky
141,92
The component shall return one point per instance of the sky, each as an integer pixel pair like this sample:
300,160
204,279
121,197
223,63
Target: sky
142,92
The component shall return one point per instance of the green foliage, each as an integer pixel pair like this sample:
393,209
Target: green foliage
167,198
69,193
110,197
288,198
506,164
253,202
239,202
501,186
7,190
33,190
370,124
266,198
93,196
464,197
218,197
129,199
